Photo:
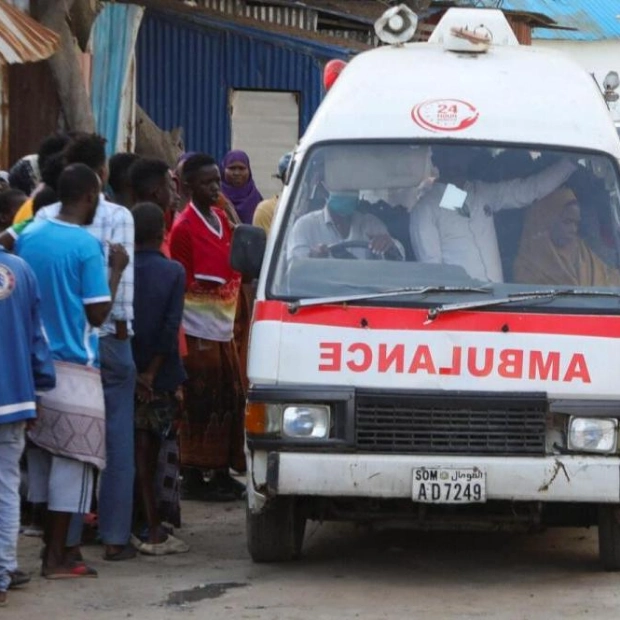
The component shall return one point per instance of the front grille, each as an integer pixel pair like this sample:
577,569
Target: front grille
440,423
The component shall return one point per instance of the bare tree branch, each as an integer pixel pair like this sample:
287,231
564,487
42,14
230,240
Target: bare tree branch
151,141
81,19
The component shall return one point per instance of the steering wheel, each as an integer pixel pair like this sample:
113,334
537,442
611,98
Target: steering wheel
340,249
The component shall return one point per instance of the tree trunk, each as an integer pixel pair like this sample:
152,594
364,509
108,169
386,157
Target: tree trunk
66,68
81,19
151,141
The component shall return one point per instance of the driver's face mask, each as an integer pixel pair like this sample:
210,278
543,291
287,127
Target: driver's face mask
343,203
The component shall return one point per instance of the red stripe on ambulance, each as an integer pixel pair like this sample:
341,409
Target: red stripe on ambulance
415,319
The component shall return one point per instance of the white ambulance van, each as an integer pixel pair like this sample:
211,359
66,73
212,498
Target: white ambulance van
436,335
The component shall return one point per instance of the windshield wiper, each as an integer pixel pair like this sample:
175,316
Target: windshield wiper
433,313
408,290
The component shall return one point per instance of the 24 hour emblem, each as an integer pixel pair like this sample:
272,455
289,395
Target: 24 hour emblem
445,115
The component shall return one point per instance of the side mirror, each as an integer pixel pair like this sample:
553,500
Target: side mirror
248,250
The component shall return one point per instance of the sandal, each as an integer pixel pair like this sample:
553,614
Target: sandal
128,552
73,571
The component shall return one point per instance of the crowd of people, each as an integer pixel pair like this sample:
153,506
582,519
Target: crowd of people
123,326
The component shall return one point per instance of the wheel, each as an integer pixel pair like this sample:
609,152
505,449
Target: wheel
276,533
609,536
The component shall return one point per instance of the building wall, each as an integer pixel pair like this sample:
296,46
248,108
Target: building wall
185,73
30,120
598,57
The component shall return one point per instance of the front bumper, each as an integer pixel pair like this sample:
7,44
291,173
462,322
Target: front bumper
544,479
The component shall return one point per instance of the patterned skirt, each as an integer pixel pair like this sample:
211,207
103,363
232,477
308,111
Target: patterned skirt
211,431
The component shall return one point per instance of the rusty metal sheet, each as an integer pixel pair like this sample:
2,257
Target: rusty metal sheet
30,84
22,39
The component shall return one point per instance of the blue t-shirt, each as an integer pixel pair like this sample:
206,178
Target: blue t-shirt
69,265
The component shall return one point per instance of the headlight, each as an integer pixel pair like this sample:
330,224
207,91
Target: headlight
306,421
593,434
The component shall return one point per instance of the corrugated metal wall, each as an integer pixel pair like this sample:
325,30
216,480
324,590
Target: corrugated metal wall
297,17
186,71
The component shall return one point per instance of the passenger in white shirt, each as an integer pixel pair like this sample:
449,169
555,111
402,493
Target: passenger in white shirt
340,221
467,237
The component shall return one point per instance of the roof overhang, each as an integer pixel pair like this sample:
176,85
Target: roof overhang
314,42
22,39
533,19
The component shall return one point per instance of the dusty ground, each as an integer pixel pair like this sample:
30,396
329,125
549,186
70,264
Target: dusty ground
346,573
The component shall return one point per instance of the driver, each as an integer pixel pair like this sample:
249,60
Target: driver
340,222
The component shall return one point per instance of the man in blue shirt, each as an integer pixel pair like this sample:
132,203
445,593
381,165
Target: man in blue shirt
111,225
26,364
70,433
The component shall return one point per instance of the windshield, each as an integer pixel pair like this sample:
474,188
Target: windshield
366,218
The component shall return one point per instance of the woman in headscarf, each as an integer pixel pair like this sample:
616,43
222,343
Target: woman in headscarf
551,251
238,185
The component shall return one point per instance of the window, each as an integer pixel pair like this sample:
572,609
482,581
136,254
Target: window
505,219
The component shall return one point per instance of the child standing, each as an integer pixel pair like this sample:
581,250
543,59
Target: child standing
158,309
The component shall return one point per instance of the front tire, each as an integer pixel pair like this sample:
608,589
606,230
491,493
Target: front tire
276,533
609,536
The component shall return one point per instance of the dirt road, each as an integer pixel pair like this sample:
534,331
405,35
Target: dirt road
346,573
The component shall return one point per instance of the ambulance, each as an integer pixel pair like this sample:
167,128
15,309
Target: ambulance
435,341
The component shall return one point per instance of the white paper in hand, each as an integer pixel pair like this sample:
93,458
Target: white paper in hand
453,198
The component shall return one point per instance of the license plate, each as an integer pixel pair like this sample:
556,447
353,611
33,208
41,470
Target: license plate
449,485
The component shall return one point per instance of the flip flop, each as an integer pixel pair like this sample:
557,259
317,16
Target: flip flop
75,571
128,552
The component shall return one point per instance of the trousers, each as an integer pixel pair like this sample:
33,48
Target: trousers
118,375
12,440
